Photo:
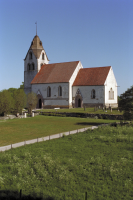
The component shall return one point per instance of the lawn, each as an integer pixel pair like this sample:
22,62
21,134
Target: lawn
98,162
87,110
18,130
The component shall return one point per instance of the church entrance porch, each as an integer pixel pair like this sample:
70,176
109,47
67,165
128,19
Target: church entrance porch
78,102
40,101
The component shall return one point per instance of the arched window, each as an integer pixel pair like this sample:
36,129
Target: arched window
93,94
30,55
28,67
43,56
48,91
59,91
111,94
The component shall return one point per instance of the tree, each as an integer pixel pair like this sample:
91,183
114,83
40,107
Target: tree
126,103
22,86
19,100
12,90
31,101
6,102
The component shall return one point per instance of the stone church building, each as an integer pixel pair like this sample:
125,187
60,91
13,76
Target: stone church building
67,84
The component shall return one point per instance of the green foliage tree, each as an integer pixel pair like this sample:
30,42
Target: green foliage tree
12,90
22,86
31,101
19,100
126,103
119,100
6,102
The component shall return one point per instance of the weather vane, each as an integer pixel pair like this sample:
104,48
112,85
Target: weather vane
36,28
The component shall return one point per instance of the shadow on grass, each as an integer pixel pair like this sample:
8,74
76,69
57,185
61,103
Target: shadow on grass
89,123
15,195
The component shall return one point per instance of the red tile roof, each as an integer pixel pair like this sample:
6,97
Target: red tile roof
92,76
55,73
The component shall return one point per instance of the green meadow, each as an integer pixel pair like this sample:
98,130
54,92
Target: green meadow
99,162
18,130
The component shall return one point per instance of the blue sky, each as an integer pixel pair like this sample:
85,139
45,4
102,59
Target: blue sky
96,32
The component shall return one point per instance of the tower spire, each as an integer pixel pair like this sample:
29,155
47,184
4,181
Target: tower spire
36,28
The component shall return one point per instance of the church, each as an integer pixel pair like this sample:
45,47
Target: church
67,84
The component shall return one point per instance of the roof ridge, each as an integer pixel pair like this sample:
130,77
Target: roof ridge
95,67
63,62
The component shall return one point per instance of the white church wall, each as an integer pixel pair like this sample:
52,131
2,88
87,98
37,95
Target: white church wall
71,81
54,100
111,83
86,94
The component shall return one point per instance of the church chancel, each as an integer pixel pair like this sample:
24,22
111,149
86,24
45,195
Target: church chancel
67,84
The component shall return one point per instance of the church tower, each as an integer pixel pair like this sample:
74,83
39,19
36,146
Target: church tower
35,58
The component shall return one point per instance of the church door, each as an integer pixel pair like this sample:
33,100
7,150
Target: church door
40,103
79,102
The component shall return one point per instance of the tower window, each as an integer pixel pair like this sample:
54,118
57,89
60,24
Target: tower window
93,94
43,56
40,43
49,91
28,67
59,91
30,55
33,67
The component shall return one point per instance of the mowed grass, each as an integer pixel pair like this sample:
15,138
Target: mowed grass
98,162
87,110
17,130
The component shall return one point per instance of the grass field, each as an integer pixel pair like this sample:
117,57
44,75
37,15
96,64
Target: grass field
17,130
87,110
98,162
